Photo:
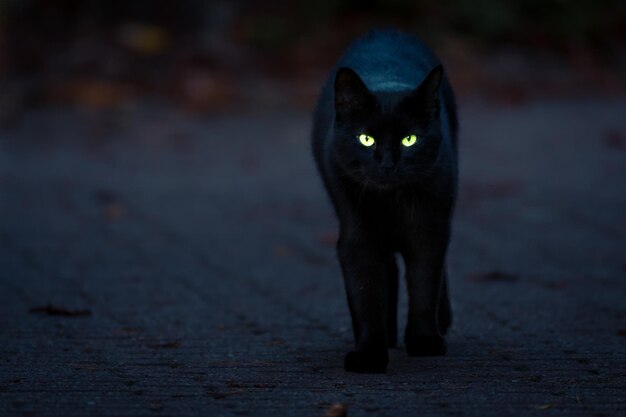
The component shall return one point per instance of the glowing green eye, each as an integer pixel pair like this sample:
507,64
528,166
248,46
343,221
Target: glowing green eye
366,140
409,140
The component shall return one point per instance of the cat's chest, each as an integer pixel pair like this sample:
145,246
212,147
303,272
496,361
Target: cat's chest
393,215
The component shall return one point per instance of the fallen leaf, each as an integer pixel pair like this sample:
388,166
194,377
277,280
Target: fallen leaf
337,410
545,406
301,251
112,206
52,310
84,366
114,211
155,405
219,395
204,90
261,385
89,93
615,139
493,276
621,332
144,39
127,330
555,285
166,345
282,251
329,239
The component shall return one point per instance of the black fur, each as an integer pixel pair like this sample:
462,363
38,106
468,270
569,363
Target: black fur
390,198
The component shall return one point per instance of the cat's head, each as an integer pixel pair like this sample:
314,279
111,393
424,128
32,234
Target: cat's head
386,139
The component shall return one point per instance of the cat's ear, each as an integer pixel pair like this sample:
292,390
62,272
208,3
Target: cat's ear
431,84
351,94
426,95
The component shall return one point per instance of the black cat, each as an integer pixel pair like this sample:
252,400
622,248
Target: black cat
384,140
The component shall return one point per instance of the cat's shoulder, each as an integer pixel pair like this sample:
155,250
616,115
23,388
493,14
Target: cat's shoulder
387,35
390,39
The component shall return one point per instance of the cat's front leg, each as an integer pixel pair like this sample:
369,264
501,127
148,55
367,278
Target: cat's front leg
392,301
445,308
364,270
425,274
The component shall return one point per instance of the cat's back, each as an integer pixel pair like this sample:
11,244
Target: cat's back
387,60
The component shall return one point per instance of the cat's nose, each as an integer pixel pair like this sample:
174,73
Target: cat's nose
387,163
386,169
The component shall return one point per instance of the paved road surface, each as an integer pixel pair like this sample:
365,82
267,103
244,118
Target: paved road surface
157,263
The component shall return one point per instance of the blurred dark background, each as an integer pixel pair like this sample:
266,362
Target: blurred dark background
166,245
220,56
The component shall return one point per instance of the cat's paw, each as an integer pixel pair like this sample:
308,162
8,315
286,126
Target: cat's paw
392,340
367,361
426,346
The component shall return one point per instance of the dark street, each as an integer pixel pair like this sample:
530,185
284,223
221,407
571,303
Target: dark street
168,248
160,263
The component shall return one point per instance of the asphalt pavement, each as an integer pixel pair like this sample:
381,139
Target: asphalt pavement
154,262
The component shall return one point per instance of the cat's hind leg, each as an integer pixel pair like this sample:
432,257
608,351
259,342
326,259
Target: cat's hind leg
392,302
